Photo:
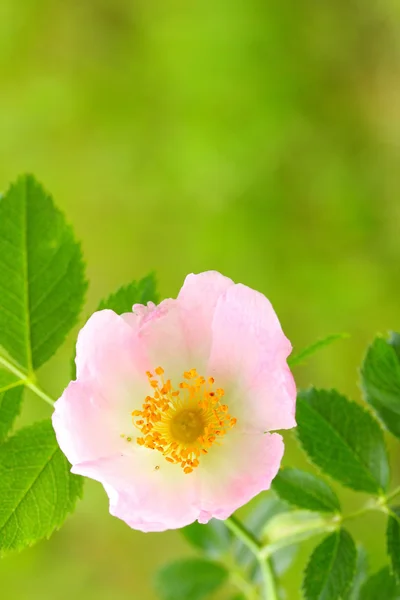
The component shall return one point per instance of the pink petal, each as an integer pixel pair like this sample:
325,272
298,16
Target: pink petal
232,474
162,336
110,354
145,491
221,329
270,400
198,298
140,312
248,358
86,425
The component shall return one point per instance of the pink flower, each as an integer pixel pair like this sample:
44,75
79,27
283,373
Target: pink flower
173,403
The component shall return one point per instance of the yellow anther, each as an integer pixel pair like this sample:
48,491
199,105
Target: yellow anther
184,423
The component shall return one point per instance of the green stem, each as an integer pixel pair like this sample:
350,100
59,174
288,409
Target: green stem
39,392
251,542
11,386
268,578
269,549
263,553
393,494
245,536
13,369
247,589
380,505
25,379
362,511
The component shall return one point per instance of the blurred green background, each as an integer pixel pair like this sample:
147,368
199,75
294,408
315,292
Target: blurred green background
257,137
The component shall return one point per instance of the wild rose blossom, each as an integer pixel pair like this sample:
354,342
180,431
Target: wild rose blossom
173,404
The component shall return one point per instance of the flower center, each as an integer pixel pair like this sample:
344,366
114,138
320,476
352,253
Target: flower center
187,425
184,423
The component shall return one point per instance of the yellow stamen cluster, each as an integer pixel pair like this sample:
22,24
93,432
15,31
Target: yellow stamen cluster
182,423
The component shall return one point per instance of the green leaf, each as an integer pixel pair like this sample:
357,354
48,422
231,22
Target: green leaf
360,576
394,341
331,568
11,391
301,356
137,292
213,538
10,405
305,490
190,579
393,540
380,586
286,529
343,439
37,490
380,380
381,374
42,284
